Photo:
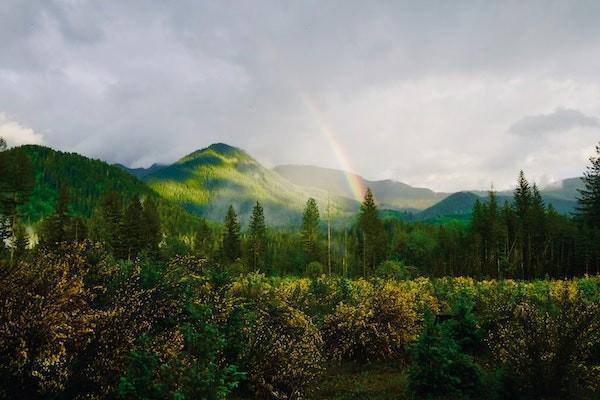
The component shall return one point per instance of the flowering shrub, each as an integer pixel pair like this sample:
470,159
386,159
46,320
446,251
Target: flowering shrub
376,329
284,352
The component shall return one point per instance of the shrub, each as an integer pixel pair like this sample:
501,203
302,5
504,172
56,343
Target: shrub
284,353
391,269
549,349
314,269
376,329
439,368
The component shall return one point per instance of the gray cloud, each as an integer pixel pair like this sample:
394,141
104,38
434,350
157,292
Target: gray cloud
416,91
560,120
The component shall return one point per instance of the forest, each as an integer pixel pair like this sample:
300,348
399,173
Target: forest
118,293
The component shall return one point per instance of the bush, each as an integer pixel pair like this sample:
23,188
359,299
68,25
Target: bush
549,349
314,269
439,368
376,329
393,270
284,353
189,366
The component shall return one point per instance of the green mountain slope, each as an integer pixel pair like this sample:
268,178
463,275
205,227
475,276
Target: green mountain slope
86,179
207,181
389,193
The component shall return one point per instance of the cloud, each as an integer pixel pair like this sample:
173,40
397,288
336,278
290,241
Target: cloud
560,120
421,92
16,134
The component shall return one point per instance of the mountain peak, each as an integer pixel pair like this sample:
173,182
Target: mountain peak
224,148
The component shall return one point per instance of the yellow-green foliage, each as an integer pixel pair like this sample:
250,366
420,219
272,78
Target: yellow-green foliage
284,352
376,329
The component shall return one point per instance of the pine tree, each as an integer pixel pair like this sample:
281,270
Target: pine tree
371,234
151,227
203,241
310,231
588,213
20,242
258,238
523,199
56,228
231,237
588,208
132,232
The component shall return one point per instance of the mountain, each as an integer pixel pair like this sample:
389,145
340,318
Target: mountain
207,181
457,205
87,180
567,189
389,194
141,172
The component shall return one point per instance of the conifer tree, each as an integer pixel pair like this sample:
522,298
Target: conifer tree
151,227
588,213
132,232
310,231
371,233
258,237
20,242
203,241
231,237
588,207
56,228
523,199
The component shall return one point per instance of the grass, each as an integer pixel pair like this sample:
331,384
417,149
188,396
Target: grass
372,381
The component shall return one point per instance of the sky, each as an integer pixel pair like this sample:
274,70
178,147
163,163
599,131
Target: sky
448,95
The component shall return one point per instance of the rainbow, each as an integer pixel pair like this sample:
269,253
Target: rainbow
354,182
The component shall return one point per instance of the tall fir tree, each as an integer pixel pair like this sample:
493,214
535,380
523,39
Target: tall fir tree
132,230
204,240
151,228
258,238
310,231
588,214
231,248
371,234
57,228
20,242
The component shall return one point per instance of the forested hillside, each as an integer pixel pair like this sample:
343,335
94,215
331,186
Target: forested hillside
207,181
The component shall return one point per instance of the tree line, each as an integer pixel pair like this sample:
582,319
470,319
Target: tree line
524,239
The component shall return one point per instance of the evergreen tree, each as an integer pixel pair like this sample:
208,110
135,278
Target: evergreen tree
203,242
151,227
588,213
56,228
589,197
371,233
20,242
258,238
231,237
310,231
523,199
132,230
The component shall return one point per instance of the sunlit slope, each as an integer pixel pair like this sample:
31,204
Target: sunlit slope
207,181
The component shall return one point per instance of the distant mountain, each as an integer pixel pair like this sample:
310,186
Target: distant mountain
388,193
567,189
207,181
562,196
141,172
456,205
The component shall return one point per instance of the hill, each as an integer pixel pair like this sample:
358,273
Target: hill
87,180
207,181
389,194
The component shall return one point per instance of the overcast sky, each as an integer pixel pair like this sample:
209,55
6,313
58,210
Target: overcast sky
448,95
